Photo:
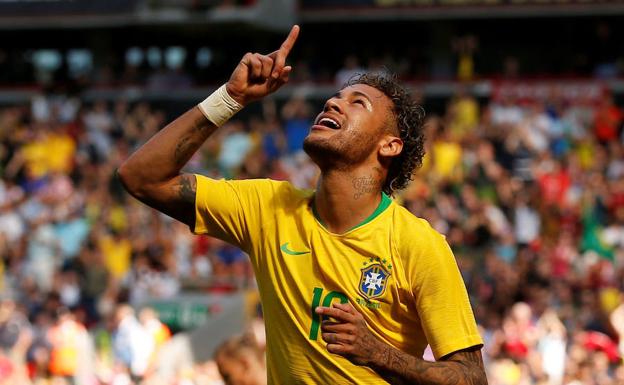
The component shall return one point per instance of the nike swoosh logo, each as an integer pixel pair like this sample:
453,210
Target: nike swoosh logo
285,249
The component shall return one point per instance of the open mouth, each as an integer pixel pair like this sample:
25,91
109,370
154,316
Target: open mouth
329,123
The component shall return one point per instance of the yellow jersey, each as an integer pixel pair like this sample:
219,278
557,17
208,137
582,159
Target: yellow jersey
397,271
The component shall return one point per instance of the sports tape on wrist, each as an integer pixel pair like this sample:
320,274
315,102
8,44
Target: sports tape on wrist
219,107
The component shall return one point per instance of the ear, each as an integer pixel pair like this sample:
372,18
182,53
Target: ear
391,146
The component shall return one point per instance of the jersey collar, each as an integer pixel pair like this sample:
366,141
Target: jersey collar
383,205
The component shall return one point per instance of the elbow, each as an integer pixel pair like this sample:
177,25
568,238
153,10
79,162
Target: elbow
129,180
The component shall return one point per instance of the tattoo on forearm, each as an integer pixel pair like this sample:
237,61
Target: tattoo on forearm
465,368
473,366
187,188
182,150
190,142
200,123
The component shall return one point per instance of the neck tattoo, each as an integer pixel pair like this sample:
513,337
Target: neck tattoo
364,185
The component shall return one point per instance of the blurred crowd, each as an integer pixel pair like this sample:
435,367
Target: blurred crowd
529,193
77,251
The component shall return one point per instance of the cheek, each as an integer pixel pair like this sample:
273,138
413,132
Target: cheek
359,124
366,124
360,133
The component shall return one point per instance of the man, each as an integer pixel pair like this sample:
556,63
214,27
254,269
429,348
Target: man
241,361
132,344
353,286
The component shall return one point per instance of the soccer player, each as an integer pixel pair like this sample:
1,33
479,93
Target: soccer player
353,286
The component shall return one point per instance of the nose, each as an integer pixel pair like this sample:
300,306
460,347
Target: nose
332,104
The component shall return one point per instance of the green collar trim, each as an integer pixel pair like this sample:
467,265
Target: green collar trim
383,205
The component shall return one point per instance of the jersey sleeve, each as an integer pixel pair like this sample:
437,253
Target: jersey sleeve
233,210
441,298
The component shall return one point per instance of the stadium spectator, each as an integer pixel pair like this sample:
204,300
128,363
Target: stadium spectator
71,352
351,67
297,117
132,343
241,361
159,332
607,121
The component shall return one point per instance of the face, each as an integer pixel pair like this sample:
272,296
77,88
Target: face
232,372
351,128
244,370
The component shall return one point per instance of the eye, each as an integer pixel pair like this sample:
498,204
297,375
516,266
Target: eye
359,101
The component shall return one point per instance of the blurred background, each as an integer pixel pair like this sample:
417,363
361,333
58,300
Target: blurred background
524,174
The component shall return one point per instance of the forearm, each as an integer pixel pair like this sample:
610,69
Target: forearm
399,367
152,173
164,155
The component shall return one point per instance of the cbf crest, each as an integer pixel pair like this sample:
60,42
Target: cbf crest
374,279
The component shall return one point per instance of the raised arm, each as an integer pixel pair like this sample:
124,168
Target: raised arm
152,174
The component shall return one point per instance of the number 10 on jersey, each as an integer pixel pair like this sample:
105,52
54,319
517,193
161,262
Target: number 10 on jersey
327,301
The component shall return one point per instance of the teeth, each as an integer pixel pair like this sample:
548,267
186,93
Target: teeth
332,122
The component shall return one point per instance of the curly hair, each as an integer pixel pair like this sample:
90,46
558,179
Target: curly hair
409,118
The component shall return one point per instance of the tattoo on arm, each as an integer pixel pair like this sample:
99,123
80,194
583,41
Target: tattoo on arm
181,150
179,202
460,368
472,362
187,188
190,142
202,122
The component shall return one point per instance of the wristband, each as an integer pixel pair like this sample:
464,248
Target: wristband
219,107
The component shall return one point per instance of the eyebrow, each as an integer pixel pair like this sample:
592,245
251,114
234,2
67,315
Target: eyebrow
355,92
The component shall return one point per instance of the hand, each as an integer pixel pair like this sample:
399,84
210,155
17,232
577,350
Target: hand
349,336
259,75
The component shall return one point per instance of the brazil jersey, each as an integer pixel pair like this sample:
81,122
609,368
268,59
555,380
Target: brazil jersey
397,271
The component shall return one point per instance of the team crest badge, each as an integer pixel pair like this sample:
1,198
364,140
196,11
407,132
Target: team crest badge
373,281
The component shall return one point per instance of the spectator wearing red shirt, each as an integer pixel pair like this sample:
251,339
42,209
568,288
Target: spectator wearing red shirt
554,185
607,121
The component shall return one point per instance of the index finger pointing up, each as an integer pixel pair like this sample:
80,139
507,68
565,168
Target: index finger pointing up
290,41
279,56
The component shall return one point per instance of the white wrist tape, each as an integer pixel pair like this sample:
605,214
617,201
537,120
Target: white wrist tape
219,107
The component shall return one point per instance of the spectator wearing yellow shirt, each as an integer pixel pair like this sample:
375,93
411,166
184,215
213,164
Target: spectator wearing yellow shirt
49,150
446,155
463,113
117,251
